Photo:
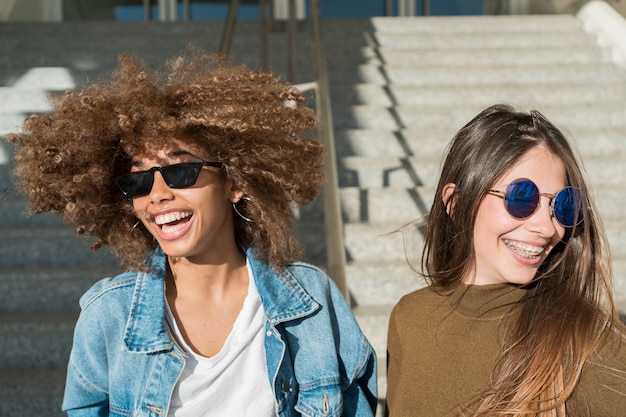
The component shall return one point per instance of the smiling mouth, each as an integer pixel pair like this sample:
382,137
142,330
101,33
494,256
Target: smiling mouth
171,222
525,251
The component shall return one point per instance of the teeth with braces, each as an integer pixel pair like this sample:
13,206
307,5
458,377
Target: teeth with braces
171,217
530,252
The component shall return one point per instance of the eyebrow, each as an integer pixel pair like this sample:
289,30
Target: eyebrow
181,152
171,155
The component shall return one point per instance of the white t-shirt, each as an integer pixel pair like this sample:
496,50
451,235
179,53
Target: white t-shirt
235,381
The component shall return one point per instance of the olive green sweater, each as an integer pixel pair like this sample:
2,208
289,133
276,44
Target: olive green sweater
440,358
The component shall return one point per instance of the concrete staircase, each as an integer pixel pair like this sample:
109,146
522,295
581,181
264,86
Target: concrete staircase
401,87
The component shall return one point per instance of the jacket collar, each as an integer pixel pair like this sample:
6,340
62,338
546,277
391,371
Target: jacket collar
282,296
146,328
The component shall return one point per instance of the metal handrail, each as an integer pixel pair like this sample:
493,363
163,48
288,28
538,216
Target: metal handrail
406,7
333,223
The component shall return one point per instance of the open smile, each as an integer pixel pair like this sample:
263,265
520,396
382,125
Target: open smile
525,251
173,224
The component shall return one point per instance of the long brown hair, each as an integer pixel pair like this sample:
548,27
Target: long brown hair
567,306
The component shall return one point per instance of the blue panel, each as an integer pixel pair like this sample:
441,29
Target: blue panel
352,8
199,11
329,9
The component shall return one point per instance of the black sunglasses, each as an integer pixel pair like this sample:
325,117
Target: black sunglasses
136,184
522,199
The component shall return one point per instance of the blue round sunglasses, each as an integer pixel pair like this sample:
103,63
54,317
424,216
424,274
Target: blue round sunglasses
522,199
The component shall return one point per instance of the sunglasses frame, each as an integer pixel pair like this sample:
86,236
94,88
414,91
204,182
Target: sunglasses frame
196,166
503,194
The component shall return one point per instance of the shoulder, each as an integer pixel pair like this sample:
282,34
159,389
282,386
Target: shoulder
109,289
423,299
315,282
610,352
308,275
602,386
105,309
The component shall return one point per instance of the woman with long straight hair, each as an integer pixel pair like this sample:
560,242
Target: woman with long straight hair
518,317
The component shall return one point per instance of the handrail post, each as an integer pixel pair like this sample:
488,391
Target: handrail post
426,8
229,27
265,17
291,43
332,218
147,14
186,10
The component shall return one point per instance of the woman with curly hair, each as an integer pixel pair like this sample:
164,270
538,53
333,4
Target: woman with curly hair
518,318
191,177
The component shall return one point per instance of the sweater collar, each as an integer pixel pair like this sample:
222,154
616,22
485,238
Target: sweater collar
485,301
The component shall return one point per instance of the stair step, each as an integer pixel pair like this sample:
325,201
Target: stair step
23,100
376,285
36,339
482,40
589,142
510,75
17,215
48,247
439,97
431,120
423,54
29,290
10,122
485,24
27,392
373,323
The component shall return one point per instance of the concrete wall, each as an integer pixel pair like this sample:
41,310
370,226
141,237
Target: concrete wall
29,10
567,6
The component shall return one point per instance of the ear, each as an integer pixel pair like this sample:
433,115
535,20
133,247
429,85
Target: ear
235,194
446,195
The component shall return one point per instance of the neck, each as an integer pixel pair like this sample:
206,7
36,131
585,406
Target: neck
213,279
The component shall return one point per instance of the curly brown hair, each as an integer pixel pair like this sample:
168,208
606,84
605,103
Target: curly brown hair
67,161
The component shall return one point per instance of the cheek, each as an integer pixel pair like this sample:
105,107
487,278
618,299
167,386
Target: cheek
492,220
491,214
560,233
139,206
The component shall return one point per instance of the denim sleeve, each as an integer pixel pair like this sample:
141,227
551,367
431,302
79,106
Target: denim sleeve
86,389
360,398
334,363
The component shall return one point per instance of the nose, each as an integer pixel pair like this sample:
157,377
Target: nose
543,221
160,192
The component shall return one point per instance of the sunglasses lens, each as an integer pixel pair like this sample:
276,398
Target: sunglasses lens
568,206
136,183
521,199
181,175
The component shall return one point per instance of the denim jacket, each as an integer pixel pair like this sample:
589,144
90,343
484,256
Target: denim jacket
125,363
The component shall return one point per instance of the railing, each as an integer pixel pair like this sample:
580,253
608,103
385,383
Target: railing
333,224
407,7
332,206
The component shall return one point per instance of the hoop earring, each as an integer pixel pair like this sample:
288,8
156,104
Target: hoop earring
239,213
136,224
